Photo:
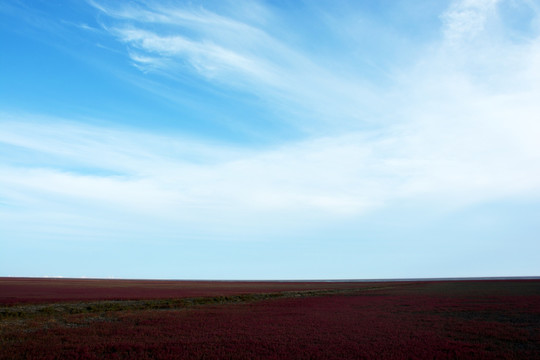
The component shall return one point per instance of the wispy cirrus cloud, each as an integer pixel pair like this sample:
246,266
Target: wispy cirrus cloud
318,93
241,54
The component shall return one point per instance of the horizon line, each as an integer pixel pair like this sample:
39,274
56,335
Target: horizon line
461,278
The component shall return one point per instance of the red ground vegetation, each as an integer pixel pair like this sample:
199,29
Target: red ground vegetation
50,290
425,320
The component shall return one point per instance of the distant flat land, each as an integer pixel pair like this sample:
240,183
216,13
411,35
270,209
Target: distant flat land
145,319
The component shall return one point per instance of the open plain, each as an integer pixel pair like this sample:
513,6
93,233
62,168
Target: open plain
126,319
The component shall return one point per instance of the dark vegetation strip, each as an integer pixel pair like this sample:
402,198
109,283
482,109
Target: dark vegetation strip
36,310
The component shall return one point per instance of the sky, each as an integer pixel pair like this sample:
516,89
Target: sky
267,140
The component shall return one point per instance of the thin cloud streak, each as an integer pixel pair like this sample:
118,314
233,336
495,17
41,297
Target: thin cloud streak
209,45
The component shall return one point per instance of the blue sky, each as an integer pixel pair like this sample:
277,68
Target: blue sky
270,140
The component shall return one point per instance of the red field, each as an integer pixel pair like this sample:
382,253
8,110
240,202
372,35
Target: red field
205,320
49,290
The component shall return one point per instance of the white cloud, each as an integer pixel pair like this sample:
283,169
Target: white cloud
465,19
450,152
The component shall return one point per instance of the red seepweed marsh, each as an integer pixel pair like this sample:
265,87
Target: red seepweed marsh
125,319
